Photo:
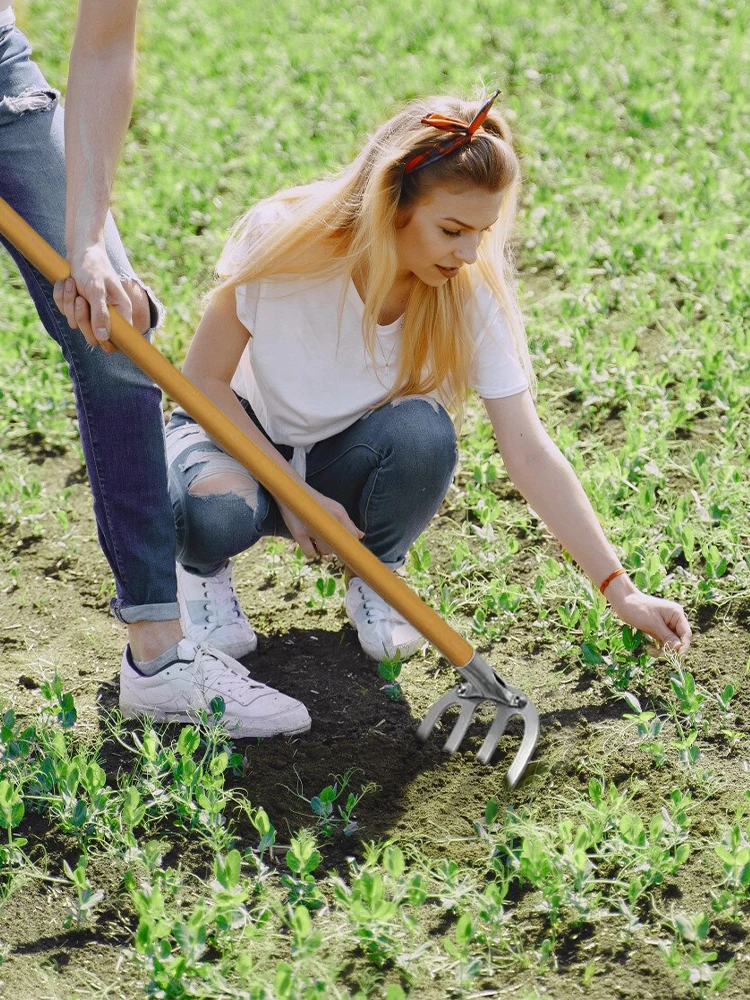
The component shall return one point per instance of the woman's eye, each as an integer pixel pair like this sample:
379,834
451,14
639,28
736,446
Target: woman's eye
452,232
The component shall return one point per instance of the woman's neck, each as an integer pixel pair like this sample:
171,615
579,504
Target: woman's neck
395,301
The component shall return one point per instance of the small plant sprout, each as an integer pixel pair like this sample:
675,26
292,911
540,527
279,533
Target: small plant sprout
390,671
302,859
86,898
325,807
325,589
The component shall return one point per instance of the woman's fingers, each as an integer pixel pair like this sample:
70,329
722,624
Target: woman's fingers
672,630
339,512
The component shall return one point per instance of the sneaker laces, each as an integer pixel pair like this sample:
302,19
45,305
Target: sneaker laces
221,602
234,676
376,608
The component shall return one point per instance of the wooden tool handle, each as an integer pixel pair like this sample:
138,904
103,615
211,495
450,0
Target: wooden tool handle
359,559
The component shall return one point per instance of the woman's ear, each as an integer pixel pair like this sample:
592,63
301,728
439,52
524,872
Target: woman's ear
403,216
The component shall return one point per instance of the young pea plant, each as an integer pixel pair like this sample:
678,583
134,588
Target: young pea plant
467,965
648,726
390,671
324,802
686,956
12,811
325,589
734,854
86,900
302,859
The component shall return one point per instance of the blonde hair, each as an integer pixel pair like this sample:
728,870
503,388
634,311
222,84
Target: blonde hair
346,225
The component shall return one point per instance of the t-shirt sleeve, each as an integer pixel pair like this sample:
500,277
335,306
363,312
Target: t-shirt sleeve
246,296
262,218
496,371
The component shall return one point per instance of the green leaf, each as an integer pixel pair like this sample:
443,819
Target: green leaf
464,931
590,655
282,982
490,812
228,871
393,859
188,742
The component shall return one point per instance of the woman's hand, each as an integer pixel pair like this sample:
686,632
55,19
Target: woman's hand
663,620
311,545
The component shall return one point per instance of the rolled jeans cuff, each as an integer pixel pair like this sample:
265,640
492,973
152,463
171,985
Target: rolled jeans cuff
156,310
144,612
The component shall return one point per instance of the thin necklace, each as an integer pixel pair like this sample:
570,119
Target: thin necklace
389,358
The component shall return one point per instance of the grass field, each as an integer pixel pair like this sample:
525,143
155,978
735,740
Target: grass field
352,862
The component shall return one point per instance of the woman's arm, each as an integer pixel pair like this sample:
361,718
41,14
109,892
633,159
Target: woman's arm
543,476
210,365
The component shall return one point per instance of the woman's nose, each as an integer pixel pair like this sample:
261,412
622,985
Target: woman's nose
467,252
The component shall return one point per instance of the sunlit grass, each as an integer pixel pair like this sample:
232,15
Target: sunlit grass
634,260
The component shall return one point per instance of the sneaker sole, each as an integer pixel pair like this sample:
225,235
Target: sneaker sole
185,718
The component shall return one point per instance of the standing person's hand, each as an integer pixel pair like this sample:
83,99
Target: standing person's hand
83,298
311,545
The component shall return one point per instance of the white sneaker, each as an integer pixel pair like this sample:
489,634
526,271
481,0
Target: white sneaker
383,632
181,691
211,613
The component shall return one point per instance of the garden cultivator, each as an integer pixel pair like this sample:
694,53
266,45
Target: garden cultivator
480,682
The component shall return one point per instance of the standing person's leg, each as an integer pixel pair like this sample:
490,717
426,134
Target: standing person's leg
122,432
390,470
119,408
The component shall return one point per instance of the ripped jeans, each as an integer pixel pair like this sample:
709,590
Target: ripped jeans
119,408
390,469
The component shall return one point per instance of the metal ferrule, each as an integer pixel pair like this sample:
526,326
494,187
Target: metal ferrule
483,683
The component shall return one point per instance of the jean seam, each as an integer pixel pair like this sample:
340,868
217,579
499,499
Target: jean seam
179,504
361,444
369,498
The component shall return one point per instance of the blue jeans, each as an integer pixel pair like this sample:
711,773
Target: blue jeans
390,469
119,408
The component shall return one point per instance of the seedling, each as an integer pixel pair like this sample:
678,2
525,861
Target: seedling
390,671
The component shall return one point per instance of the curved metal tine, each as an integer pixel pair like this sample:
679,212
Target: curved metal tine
530,718
496,730
461,726
440,706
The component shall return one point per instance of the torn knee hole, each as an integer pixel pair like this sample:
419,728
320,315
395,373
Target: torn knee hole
218,483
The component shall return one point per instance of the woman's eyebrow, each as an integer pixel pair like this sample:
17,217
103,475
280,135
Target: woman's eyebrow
463,225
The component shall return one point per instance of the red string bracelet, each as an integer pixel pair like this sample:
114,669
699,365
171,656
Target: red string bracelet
610,578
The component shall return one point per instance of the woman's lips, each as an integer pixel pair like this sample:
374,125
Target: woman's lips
449,272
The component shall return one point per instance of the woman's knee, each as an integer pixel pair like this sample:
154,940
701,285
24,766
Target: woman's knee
219,511
421,433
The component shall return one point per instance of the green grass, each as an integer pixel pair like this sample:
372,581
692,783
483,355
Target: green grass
634,259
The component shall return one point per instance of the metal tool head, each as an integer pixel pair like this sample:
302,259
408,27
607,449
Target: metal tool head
481,683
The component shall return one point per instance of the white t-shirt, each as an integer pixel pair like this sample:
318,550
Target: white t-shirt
6,14
307,378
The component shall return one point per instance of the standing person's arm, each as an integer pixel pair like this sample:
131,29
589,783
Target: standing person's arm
99,101
544,477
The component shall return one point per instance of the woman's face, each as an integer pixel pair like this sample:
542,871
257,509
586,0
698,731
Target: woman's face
443,231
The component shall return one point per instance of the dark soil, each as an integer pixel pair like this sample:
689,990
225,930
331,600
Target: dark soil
54,619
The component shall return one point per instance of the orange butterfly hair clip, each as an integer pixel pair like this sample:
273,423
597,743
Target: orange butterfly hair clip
461,135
